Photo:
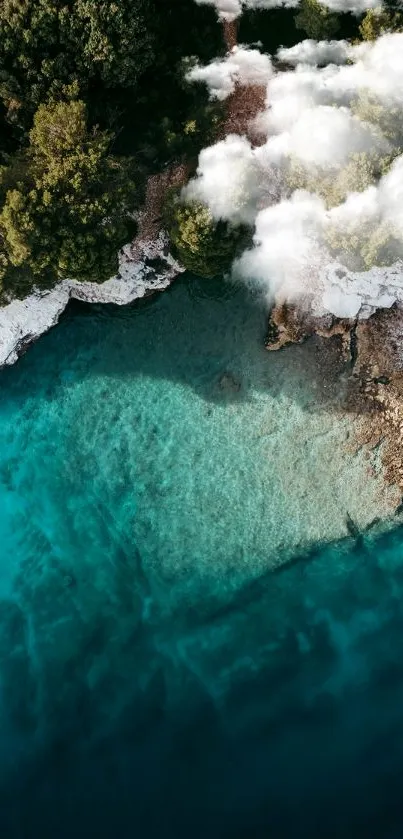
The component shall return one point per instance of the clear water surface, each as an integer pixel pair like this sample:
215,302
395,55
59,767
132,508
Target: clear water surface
190,643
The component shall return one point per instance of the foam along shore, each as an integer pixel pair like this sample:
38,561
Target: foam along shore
143,269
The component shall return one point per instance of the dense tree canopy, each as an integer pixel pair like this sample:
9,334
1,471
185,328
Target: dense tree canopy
66,202
123,55
316,20
202,245
47,44
377,22
92,100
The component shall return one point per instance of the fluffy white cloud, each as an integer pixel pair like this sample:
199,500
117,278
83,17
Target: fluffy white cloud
286,247
317,115
390,194
355,6
242,65
317,53
322,136
226,9
373,67
291,260
228,180
231,9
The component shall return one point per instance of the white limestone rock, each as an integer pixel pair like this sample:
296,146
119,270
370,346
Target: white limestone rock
351,294
23,321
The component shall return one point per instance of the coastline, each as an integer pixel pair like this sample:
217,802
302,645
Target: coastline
371,351
145,267
361,356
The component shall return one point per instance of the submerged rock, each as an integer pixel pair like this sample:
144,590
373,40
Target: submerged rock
228,383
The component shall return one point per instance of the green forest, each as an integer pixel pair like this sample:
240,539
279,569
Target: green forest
92,101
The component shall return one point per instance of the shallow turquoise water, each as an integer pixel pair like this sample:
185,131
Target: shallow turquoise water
161,670
170,430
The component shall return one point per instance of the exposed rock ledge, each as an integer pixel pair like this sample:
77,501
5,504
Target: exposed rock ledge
143,270
363,364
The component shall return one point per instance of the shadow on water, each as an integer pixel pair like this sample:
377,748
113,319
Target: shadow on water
207,335
281,718
274,711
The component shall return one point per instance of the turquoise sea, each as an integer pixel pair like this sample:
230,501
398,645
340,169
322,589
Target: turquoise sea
192,643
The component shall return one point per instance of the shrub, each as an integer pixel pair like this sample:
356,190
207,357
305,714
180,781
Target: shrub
202,245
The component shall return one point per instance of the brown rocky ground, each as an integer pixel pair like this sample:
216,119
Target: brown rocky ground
360,367
150,217
240,110
376,387
243,106
291,325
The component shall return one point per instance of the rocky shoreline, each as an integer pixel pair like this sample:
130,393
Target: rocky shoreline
362,362
145,267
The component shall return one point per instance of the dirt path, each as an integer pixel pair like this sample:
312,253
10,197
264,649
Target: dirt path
150,217
230,33
241,108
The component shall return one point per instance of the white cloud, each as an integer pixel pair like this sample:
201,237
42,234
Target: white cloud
355,6
316,52
231,9
302,250
291,260
374,66
286,247
228,180
322,136
359,207
269,4
391,196
241,65
226,9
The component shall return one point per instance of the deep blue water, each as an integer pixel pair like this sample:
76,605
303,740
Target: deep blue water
162,671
